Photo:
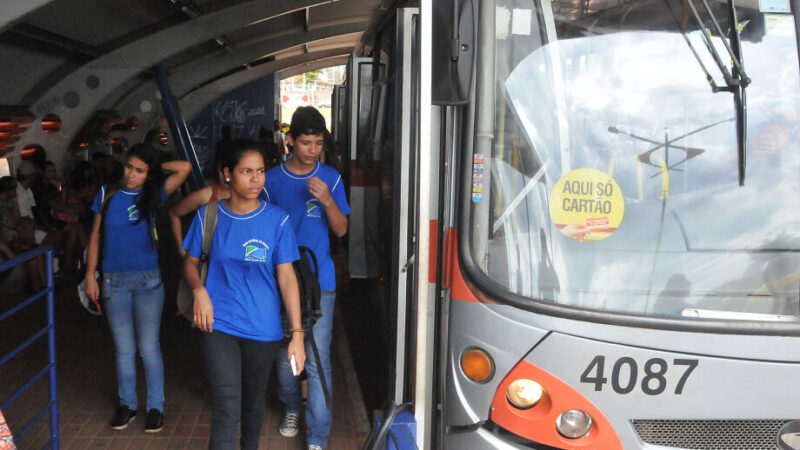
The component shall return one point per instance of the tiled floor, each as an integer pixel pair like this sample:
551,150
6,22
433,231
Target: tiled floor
87,386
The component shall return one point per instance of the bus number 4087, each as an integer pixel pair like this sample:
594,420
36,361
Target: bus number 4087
624,374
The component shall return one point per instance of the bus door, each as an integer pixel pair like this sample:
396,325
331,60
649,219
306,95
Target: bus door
397,141
393,138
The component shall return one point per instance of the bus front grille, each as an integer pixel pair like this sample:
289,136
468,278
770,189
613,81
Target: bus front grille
710,434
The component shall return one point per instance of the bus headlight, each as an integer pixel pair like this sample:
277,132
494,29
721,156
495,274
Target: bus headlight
477,365
574,423
524,394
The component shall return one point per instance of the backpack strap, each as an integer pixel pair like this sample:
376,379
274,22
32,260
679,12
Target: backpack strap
308,252
105,202
209,226
311,288
321,373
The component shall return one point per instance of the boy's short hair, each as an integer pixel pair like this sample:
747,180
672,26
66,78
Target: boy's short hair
307,120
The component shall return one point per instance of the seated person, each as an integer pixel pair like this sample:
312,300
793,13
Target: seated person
17,233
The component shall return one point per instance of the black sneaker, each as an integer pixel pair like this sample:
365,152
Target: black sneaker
123,416
154,422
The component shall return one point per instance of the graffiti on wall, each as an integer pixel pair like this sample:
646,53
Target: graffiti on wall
244,110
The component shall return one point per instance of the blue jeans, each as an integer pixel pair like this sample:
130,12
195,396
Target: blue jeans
318,413
238,373
133,302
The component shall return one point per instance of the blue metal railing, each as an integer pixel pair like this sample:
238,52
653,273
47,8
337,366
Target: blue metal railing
49,329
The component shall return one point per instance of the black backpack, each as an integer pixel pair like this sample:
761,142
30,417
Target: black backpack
306,270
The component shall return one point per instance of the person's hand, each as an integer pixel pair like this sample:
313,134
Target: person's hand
319,190
92,289
576,231
298,349
181,252
203,310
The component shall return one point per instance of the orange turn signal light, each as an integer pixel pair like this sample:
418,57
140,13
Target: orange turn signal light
477,365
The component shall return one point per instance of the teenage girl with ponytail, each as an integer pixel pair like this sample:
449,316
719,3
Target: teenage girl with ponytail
123,235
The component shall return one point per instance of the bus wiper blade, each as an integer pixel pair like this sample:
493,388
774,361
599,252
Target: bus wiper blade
736,80
739,94
739,78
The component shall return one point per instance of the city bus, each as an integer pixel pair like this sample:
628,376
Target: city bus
584,220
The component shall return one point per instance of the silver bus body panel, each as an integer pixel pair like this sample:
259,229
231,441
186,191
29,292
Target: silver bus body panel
735,377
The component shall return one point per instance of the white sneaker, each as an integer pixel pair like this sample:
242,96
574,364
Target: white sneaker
288,427
314,447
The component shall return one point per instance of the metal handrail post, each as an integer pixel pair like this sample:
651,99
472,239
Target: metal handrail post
182,140
51,322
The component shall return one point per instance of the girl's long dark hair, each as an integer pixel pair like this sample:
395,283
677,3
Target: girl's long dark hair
148,200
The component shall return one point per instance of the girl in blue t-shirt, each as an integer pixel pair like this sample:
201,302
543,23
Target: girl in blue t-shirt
133,296
250,270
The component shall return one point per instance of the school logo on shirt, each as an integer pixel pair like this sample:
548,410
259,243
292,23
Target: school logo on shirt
255,250
313,208
133,214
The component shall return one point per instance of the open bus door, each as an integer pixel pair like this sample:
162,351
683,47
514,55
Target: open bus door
399,145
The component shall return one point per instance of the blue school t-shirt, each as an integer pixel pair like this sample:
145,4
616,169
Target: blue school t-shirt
241,273
290,191
127,246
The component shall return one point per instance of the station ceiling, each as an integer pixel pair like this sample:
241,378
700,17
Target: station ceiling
77,56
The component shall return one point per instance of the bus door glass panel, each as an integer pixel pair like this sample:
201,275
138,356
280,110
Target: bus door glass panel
340,115
622,90
364,101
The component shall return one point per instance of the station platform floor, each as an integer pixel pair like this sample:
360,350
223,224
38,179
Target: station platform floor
87,384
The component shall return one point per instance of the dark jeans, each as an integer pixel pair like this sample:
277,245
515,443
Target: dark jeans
238,371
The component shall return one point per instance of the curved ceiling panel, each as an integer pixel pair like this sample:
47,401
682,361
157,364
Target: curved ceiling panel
314,65
196,73
124,63
200,71
195,101
73,57
11,12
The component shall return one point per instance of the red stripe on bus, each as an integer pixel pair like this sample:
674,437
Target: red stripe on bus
459,290
538,422
433,250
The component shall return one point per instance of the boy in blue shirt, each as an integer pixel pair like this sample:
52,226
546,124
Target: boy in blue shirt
313,195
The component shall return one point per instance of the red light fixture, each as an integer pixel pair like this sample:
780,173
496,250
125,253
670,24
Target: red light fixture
28,152
132,122
51,123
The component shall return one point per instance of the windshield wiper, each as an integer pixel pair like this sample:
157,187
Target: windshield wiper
736,80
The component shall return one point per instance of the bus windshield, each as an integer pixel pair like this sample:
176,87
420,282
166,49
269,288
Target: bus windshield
612,178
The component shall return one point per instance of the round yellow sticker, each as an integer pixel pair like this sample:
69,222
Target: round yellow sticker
587,205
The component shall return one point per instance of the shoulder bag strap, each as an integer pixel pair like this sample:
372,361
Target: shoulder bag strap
107,194
209,226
